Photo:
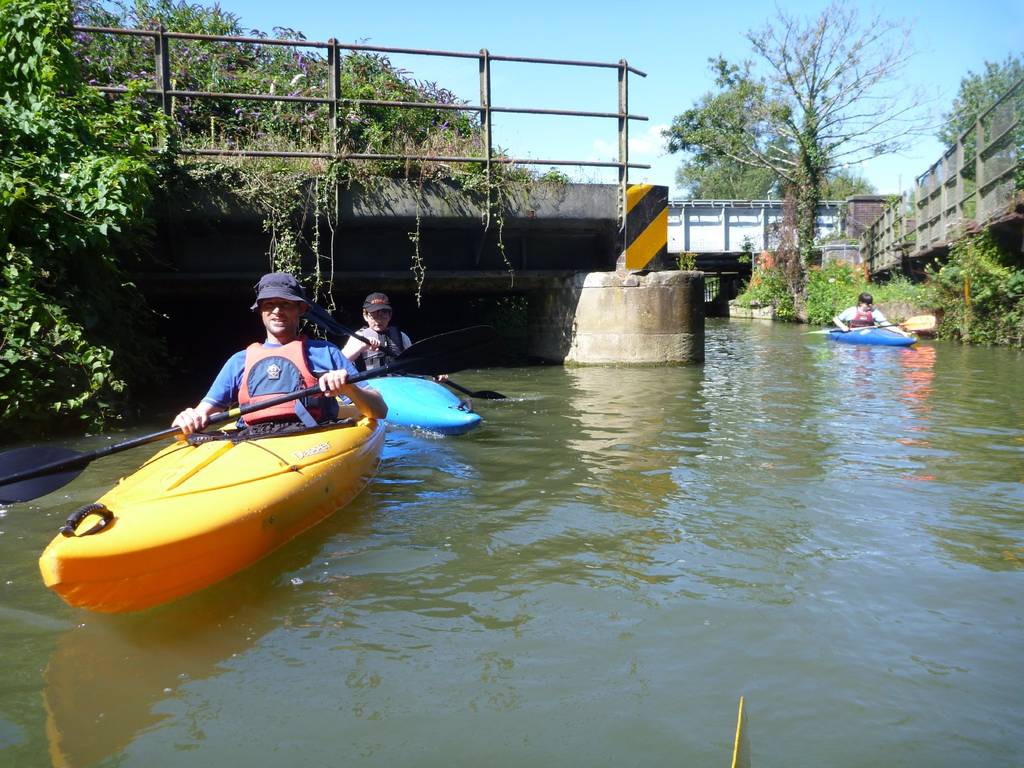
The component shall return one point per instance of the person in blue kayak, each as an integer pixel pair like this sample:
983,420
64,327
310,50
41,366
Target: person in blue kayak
286,361
863,315
386,342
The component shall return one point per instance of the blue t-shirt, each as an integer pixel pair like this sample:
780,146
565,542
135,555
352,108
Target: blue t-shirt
322,356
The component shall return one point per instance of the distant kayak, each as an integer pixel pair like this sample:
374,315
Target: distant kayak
425,404
883,337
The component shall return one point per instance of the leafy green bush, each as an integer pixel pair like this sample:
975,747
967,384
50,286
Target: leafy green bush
830,290
980,291
837,285
242,67
48,366
768,288
75,171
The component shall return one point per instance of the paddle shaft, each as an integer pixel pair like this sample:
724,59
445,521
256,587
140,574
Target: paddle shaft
446,351
217,418
461,388
899,326
321,317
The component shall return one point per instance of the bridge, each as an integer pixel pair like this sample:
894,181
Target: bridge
576,252
977,184
722,232
395,237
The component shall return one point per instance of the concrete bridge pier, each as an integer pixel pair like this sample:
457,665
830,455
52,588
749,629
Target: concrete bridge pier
656,318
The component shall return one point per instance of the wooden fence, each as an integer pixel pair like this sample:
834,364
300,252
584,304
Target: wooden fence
975,183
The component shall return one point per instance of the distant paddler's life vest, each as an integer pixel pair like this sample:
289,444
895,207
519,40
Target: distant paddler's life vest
862,319
273,371
390,347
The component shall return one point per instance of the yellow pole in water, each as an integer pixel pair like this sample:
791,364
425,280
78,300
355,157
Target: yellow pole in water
740,747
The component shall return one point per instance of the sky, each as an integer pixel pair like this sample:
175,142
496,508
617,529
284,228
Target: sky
670,42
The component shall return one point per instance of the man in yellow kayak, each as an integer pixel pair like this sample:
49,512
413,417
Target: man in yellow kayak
285,362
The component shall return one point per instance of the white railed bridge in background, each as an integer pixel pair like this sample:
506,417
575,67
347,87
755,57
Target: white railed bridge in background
720,232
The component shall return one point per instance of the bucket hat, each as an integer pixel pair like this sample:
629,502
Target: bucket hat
278,285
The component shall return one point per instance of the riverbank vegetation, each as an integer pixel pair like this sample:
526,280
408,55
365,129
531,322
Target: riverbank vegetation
830,289
76,174
80,173
979,292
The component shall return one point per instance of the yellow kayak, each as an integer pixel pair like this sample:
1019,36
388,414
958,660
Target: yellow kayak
195,514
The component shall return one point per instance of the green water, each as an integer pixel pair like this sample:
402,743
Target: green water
593,577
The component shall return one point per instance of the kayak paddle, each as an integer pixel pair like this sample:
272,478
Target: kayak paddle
915,324
919,323
35,471
483,394
322,318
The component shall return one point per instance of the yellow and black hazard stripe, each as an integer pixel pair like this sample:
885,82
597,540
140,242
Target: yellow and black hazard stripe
646,236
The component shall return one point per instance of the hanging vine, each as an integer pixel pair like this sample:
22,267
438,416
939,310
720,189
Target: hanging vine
297,200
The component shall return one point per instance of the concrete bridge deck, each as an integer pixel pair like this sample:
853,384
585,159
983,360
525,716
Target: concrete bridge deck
546,231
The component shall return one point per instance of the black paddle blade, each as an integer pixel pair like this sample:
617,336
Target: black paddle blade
481,394
446,352
20,462
488,394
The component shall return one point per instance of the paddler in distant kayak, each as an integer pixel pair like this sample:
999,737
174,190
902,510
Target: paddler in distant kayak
285,362
386,342
863,315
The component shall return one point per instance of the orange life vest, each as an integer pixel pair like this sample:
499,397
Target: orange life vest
273,371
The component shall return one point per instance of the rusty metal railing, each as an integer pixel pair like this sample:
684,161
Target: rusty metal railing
974,182
334,101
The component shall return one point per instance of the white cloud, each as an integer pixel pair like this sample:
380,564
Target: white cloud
643,146
603,150
650,143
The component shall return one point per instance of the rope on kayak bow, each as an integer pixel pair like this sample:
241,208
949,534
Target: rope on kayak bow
75,519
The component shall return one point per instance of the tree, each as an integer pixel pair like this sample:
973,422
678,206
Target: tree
825,98
726,179
977,93
844,183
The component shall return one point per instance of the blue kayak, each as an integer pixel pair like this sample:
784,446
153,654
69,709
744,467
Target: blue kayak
425,404
883,337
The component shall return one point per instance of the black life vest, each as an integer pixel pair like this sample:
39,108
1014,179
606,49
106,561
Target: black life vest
391,346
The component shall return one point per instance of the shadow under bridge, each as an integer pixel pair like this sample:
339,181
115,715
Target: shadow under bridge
396,236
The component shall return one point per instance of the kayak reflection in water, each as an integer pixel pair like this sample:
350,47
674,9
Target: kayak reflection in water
285,362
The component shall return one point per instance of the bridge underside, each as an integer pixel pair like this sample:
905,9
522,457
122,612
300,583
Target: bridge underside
718,262
527,271
395,237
